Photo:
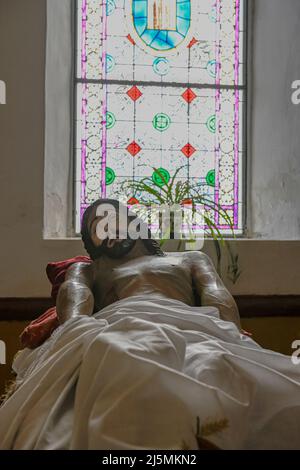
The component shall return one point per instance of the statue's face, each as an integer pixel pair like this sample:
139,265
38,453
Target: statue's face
113,243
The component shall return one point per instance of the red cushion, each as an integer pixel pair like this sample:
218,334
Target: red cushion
40,329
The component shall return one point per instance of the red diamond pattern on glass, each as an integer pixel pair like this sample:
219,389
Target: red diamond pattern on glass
189,95
134,93
129,37
192,43
188,150
132,201
133,148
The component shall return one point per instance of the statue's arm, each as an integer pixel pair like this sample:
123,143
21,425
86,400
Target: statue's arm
75,296
210,288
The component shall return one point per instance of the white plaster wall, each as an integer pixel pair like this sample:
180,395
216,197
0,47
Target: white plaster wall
268,267
274,158
58,170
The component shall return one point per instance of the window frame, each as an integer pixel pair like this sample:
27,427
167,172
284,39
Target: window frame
245,88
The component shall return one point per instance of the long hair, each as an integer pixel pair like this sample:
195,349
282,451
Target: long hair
151,245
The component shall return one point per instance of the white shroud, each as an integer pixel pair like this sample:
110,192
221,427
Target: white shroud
137,375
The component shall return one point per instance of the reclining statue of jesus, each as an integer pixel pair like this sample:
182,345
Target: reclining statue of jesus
123,267
149,354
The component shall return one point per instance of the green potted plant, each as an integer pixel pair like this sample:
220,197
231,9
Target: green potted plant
161,191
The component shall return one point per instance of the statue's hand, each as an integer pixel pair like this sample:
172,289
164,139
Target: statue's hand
211,288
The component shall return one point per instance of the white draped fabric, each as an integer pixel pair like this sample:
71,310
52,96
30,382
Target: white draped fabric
139,373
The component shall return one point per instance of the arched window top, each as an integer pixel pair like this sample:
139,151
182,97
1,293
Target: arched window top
161,25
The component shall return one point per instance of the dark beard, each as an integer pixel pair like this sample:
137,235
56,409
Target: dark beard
117,251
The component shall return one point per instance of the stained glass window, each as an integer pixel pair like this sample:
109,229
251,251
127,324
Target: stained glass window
160,83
